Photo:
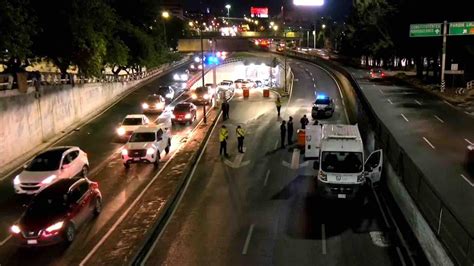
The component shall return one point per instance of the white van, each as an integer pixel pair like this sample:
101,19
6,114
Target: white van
342,170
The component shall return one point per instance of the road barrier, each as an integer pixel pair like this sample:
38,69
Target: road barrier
441,218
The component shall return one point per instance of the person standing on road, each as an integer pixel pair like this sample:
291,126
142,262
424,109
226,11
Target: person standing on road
290,130
225,110
304,121
278,105
240,138
223,136
283,133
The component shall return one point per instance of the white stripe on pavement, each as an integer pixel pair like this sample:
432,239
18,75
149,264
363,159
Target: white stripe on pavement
247,241
381,91
418,102
266,177
467,180
323,238
404,117
439,119
276,145
470,143
429,143
390,101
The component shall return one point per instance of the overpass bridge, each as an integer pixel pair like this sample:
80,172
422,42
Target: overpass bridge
241,42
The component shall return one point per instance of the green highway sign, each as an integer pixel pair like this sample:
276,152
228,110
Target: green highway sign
461,28
425,30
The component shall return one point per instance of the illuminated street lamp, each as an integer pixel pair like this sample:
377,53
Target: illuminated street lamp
165,15
275,27
191,24
324,26
228,9
272,23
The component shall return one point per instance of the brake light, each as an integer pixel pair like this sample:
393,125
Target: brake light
383,74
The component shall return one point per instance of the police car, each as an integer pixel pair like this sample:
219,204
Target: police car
323,106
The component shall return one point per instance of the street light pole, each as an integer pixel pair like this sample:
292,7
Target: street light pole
228,9
165,15
202,74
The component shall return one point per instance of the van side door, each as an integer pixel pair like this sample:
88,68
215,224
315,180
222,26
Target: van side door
373,166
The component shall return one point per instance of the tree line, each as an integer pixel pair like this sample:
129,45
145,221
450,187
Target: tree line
88,34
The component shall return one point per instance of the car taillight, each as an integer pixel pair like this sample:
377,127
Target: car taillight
383,74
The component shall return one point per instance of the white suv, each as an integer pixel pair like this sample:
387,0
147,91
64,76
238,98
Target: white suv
146,145
49,166
130,123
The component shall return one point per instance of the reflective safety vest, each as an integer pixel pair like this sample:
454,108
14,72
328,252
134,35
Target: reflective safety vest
240,132
278,103
223,134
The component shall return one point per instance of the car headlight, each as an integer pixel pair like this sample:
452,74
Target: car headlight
145,106
55,227
193,67
173,116
194,96
187,116
48,180
323,176
16,180
169,95
159,105
15,229
150,151
124,152
206,96
200,67
197,59
184,77
121,131
176,77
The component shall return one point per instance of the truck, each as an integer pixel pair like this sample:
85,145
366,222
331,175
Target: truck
342,171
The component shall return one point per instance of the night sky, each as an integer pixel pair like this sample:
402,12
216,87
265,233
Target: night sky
338,9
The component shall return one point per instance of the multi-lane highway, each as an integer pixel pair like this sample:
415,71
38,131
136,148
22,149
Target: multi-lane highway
255,210
119,186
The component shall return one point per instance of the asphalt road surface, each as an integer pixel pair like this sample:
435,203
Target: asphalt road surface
434,134
254,210
118,185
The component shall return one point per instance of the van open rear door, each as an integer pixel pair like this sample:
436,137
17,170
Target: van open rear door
312,141
373,167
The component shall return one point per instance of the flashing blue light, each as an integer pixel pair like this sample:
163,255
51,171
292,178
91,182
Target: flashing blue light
212,60
321,97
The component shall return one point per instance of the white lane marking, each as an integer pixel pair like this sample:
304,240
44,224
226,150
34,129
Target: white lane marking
311,74
418,102
323,238
470,143
390,101
429,143
399,252
247,241
181,196
467,180
440,220
5,240
381,92
466,112
295,159
122,217
439,119
404,117
276,145
266,178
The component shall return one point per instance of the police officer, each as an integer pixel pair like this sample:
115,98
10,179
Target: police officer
223,136
278,105
225,109
304,121
240,138
289,126
282,133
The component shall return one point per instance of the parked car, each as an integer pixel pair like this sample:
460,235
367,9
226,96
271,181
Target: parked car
146,145
153,103
248,84
130,123
184,112
54,164
226,84
57,212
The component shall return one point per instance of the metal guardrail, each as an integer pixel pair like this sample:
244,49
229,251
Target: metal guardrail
53,78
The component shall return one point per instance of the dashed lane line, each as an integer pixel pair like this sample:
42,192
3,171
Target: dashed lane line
404,117
469,142
419,103
429,143
439,119
247,240
467,180
266,178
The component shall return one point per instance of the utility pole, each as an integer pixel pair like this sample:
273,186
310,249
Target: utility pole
202,74
314,33
443,56
307,39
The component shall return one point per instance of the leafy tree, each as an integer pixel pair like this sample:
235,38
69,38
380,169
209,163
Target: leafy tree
17,28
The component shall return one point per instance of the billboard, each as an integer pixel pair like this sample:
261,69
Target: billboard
308,2
259,12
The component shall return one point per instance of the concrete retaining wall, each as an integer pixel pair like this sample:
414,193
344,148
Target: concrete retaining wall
28,120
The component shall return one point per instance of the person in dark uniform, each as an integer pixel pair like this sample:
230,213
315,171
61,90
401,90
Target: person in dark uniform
240,138
304,121
283,133
290,130
225,110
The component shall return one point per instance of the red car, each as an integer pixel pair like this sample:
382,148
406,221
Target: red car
57,212
184,112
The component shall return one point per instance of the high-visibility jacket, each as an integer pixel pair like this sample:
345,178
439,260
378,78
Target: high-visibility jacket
278,103
240,132
223,134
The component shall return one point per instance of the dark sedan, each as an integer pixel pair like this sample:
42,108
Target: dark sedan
57,212
184,112
166,92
